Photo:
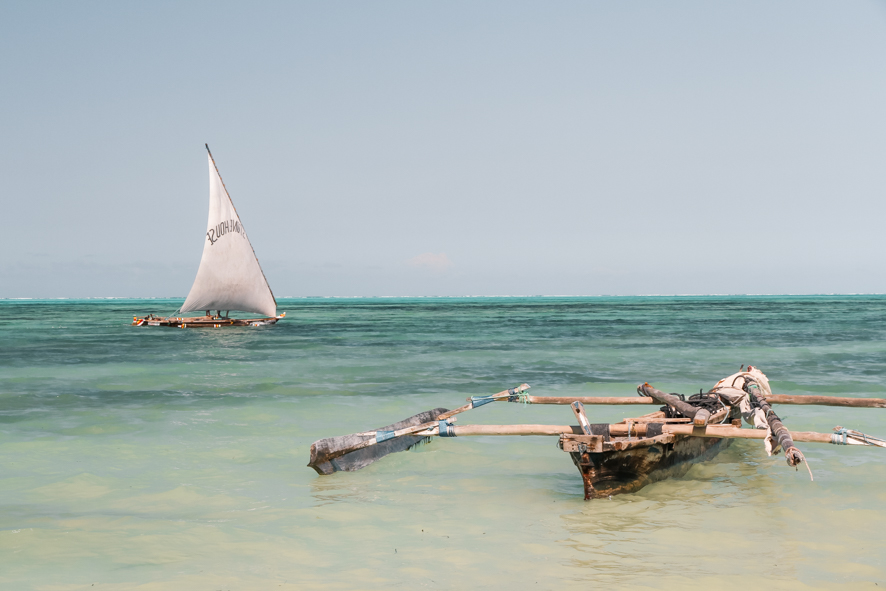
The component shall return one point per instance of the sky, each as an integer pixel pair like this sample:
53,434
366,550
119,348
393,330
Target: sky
449,148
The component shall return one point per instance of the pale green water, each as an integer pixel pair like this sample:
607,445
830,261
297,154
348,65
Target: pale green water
150,458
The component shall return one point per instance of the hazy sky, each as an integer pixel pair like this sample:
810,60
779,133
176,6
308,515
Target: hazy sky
418,148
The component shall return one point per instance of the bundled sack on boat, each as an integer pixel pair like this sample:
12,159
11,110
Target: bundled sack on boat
735,390
747,390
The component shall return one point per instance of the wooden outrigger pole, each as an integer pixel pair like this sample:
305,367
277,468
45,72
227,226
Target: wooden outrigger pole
774,399
612,458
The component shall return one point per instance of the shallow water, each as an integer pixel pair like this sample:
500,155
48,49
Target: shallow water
152,458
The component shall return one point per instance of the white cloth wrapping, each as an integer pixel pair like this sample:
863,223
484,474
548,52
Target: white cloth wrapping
731,391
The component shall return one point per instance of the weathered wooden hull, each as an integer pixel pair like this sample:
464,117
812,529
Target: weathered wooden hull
614,472
202,322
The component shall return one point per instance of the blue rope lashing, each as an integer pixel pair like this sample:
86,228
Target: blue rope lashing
515,396
835,438
446,429
481,400
383,436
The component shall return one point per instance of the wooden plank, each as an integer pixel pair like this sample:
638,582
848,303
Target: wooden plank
651,418
617,430
699,416
638,443
722,431
581,443
481,430
827,401
774,399
591,400
640,420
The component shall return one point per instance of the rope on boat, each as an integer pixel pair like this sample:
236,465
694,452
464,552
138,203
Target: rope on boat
843,436
477,401
794,450
798,456
446,429
513,395
384,435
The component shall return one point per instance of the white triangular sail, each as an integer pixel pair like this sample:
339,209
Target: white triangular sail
229,277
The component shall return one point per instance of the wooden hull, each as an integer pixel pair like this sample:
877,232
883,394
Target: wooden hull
625,471
202,322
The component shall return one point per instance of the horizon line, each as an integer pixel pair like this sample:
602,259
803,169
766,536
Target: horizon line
350,297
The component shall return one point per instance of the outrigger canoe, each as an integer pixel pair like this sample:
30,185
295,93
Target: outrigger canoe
624,457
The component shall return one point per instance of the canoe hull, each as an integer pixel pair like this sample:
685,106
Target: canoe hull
203,322
617,472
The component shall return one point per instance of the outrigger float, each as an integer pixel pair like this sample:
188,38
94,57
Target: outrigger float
230,276
626,456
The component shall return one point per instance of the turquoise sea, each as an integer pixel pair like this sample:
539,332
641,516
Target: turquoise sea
157,459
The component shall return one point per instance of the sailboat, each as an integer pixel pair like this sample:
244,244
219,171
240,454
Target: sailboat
230,276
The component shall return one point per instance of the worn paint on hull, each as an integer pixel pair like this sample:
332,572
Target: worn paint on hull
617,472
